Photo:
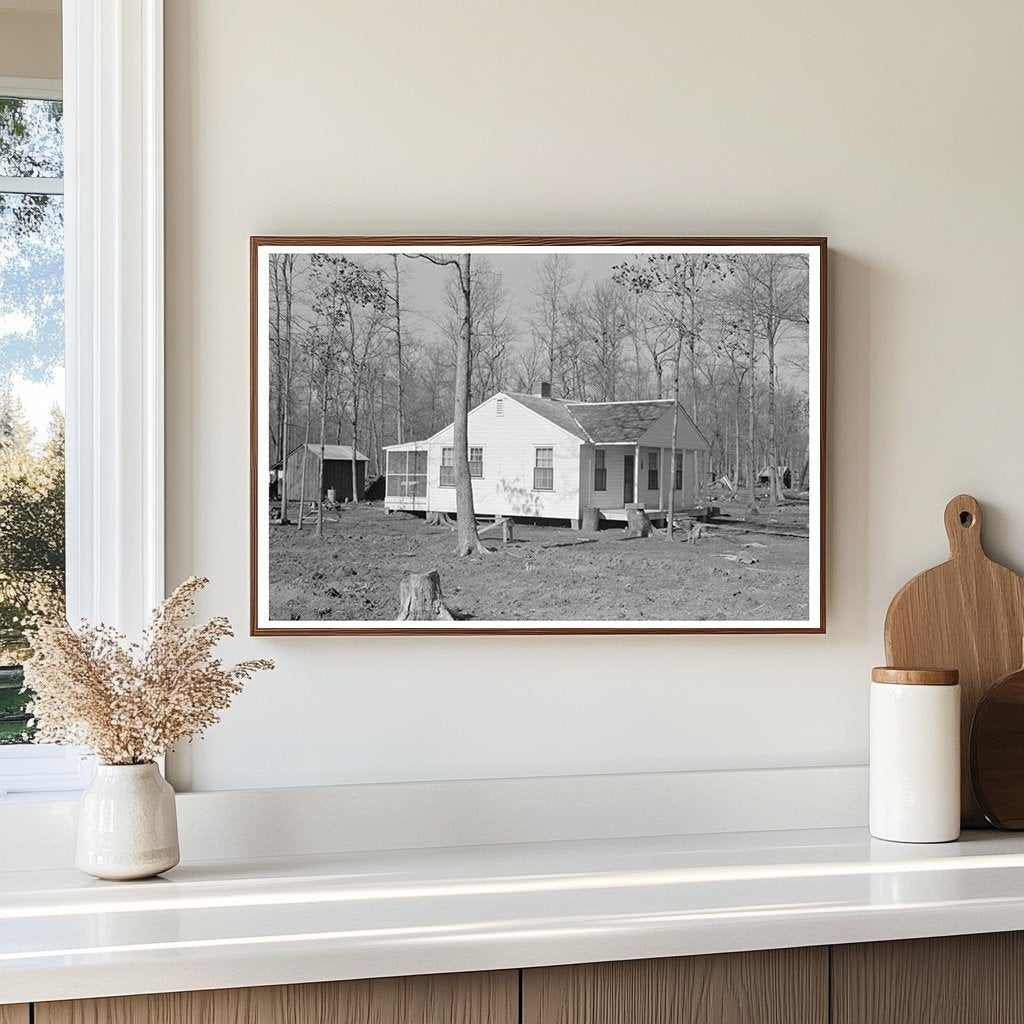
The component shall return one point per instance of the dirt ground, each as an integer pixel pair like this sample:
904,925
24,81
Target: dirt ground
354,572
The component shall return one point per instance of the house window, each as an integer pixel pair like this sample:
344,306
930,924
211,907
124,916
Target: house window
544,469
32,556
679,471
600,470
476,462
500,406
447,478
653,482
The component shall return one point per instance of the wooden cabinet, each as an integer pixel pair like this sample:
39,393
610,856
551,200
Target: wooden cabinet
491,998
779,986
962,979
969,979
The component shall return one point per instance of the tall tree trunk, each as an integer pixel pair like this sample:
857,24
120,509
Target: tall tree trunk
275,267
374,439
669,523
288,271
305,445
751,396
398,346
773,451
468,538
736,462
355,441
323,440
698,475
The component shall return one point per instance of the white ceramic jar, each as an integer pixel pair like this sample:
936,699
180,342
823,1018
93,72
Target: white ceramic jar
127,823
915,755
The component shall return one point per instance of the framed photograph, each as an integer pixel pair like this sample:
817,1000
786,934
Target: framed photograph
537,435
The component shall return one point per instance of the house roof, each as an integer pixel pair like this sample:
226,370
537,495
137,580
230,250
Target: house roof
554,410
337,451
608,422
594,422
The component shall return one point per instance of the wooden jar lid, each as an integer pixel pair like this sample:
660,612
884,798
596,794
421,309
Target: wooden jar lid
916,676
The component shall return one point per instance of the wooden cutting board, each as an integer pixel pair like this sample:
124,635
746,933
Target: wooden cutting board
967,614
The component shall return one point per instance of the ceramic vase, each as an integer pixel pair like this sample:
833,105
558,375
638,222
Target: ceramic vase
127,825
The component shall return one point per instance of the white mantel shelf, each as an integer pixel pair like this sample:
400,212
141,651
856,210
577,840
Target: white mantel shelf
226,924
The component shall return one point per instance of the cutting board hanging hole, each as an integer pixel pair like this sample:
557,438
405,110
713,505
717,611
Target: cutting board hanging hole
963,526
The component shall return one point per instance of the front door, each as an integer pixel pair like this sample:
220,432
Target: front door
627,480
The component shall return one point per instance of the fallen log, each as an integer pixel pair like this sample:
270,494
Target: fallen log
569,543
759,530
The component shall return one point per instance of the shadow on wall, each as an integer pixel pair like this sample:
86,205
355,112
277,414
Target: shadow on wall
848,428
519,501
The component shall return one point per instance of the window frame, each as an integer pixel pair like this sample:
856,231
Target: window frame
38,767
653,473
112,90
677,474
537,449
446,449
476,448
601,469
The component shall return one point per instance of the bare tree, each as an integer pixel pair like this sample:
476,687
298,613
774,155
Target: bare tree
469,542
555,291
606,316
282,268
683,283
399,363
342,288
780,285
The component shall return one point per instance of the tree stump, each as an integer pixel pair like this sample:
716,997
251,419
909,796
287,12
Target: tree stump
506,531
591,520
421,599
637,522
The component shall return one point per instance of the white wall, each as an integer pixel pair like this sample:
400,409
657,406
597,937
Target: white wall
895,129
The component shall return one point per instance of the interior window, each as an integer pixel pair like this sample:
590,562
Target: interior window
31,387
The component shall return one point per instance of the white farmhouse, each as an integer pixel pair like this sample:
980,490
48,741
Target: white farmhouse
538,456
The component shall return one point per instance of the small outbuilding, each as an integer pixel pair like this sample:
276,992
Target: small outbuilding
783,474
337,472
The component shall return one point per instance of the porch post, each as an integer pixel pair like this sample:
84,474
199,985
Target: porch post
636,476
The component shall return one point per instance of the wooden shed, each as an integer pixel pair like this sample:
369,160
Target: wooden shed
337,472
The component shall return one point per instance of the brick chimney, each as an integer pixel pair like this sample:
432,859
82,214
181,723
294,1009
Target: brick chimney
545,389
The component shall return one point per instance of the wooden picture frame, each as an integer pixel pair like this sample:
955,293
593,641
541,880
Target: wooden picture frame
654,270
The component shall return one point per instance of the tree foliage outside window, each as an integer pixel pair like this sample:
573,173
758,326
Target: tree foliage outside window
32,542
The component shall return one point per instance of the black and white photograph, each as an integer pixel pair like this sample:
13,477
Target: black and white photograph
543,435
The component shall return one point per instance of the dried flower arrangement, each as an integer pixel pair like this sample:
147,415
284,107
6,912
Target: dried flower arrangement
130,703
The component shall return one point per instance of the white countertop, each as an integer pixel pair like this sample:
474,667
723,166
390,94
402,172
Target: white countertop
226,924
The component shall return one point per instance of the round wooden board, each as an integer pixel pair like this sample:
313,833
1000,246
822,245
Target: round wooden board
997,752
